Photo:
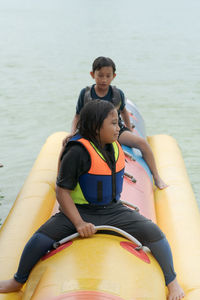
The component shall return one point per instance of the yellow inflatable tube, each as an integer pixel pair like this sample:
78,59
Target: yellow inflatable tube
99,267
178,214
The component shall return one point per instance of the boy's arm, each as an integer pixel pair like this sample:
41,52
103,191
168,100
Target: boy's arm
69,209
79,106
74,123
126,119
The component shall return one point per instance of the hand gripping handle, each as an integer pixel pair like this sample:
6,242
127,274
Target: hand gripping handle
102,227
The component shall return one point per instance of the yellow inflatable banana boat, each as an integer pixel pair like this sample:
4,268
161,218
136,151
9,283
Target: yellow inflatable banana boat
107,266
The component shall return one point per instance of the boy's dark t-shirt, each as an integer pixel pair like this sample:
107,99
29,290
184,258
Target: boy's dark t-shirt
107,97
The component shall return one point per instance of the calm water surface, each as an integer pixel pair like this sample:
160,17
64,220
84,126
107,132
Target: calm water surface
46,51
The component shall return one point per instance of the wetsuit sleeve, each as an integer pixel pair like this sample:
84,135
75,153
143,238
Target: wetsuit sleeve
80,102
123,100
75,161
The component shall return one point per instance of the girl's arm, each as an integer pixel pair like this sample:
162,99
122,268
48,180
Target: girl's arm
73,131
126,119
69,209
60,155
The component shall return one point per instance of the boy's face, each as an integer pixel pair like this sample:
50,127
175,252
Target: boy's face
103,77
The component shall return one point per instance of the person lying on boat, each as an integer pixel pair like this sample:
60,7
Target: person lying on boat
90,157
103,72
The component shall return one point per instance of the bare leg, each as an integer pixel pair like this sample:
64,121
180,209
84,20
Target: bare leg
9,286
175,291
133,141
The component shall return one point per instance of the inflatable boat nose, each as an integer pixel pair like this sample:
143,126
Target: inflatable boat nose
87,295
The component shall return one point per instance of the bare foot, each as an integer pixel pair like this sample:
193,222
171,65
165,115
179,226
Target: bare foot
9,286
160,183
175,291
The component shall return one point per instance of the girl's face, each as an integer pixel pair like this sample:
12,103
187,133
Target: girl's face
109,130
103,77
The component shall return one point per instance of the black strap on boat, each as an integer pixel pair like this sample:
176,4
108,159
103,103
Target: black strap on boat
129,155
132,178
130,205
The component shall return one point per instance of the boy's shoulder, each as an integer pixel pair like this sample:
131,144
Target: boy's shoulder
116,89
118,97
113,88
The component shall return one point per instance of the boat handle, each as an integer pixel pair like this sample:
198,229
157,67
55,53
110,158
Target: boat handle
130,205
102,227
129,155
130,176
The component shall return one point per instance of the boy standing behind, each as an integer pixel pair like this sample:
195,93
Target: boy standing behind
103,72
